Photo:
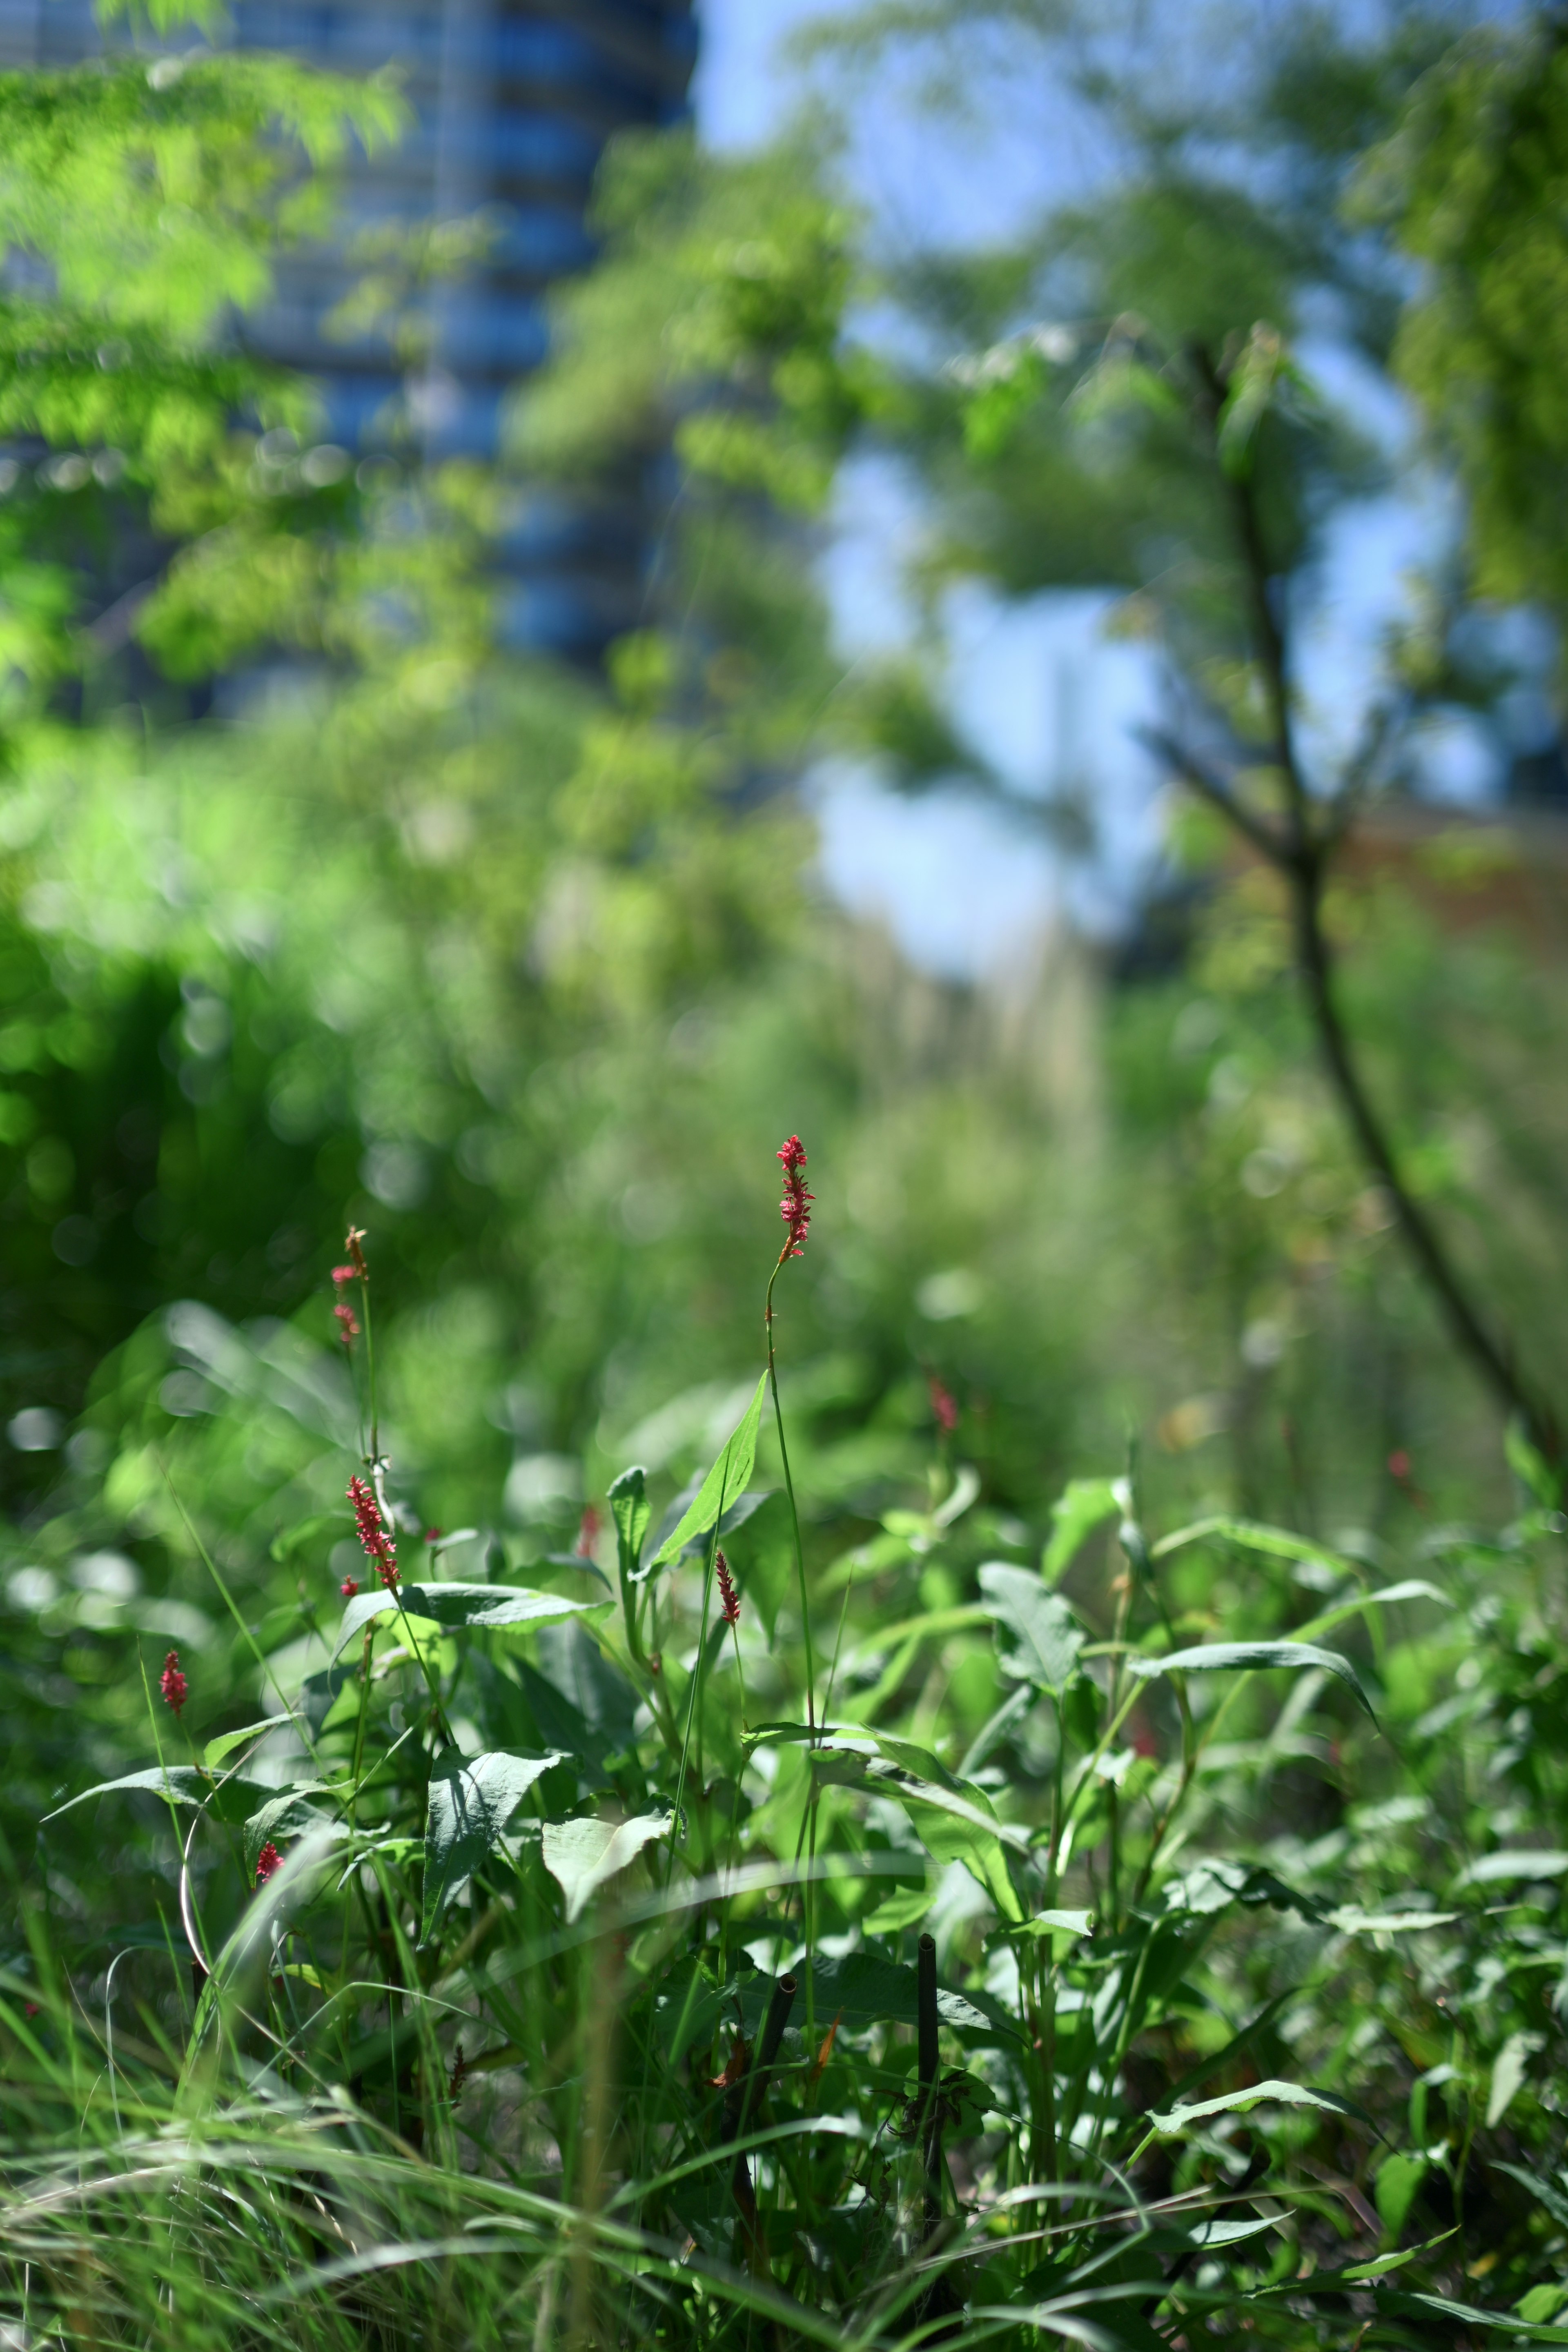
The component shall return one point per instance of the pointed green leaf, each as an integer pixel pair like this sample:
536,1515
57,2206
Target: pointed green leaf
469,1801
1252,1536
216,1749
631,1510
1254,1657
181,1784
1271,2093
725,1483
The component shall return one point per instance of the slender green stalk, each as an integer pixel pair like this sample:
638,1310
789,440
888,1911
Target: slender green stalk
789,1490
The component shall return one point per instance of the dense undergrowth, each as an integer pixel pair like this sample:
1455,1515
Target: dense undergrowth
700,1925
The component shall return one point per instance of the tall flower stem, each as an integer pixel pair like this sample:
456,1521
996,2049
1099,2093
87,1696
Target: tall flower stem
789,1490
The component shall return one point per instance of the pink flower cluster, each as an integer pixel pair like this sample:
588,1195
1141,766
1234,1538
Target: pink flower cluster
267,1862
374,1538
729,1599
355,1271
172,1682
944,1404
796,1206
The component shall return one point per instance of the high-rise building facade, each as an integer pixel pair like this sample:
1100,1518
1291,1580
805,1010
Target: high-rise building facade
513,101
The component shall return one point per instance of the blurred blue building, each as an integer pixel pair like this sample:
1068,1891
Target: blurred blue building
514,101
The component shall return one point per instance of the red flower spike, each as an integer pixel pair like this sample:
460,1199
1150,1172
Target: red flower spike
432,1534
796,1206
349,1587
942,1404
588,1533
172,1682
348,1325
341,1274
729,1599
375,1539
267,1862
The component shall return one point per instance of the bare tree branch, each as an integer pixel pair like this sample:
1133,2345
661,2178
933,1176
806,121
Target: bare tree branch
1304,857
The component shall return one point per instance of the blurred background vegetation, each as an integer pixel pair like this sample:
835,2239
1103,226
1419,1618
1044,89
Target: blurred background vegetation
320,903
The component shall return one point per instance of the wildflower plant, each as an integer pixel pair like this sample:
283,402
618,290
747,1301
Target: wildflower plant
528,1984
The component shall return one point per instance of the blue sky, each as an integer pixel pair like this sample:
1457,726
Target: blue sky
1039,690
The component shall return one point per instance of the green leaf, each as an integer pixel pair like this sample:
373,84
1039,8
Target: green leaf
1413,1588
1350,1921
1398,2178
289,1814
1037,1637
181,1784
1084,1505
468,1803
1531,1467
1501,2323
952,1830
583,1855
1545,2189
631,1510
1273,2094
1254,1537
1253,1657
1058,1923
724,1484
867,1989
1508,1868
485,1607
1509,2070
216,1749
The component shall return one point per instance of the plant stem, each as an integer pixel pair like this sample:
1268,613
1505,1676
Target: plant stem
1300,849
794,1512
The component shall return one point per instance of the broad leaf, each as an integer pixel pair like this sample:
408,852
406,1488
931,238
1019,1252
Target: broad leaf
486,1607
469,1801
289,1814
724,1484
584,1855
580,1702
1037,1637
951,1830
1251,1657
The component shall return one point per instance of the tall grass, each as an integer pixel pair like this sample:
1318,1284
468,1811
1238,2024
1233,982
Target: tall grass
766,1928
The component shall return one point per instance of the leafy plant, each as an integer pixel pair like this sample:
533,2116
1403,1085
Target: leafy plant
515,1959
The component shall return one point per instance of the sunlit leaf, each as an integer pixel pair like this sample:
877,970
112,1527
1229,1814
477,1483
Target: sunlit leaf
216,1749
584,1855
725,1483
